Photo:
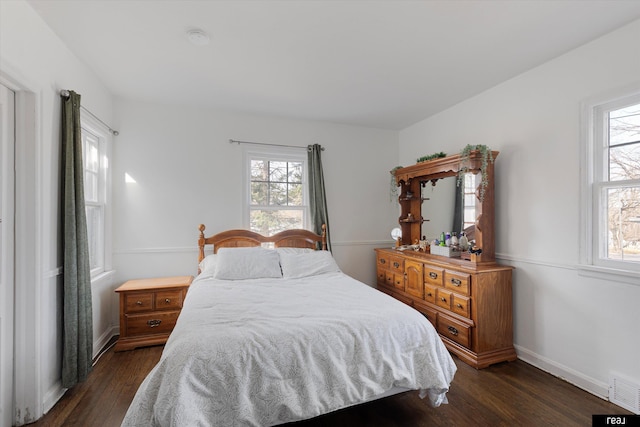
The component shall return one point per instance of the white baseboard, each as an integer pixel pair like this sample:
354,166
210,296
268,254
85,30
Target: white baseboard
52,396
591,385
102,341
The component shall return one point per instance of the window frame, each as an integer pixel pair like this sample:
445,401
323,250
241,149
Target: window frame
274,153
593,186
104,138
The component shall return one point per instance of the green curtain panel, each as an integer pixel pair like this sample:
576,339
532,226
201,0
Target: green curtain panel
77,348
317,195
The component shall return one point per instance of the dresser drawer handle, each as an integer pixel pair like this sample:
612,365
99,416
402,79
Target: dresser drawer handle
429,294
433,275
396,264
139,302
154,322
456,282
443,299
459,305
452,330
167,300
383,261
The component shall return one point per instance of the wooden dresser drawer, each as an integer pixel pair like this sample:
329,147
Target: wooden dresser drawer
433,275
396,264
428,312
153,323
443,298
461,305
457,282
454,330
430,293
136,302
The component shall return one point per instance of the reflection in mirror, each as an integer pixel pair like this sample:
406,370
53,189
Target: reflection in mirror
447,208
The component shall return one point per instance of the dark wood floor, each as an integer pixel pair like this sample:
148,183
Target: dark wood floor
507,394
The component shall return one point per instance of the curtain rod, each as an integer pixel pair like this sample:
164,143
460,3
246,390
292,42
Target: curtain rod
114,132
231,141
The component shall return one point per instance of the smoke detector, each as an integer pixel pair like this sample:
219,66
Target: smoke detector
198,37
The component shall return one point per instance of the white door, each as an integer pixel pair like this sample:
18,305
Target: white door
7,147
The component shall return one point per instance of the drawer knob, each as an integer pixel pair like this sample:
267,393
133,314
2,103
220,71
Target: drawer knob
383,261
433,275
396,264
429,294
459,305
154,322
139,302
456,282
443,299
452,330
167,300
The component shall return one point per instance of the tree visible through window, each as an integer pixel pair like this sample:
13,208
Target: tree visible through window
621,184
277,195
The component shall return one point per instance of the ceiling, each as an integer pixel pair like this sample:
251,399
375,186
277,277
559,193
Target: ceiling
384,64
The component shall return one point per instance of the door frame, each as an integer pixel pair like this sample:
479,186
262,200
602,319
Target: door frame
28,275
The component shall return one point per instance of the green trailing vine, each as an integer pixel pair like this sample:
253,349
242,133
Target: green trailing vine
486,158
431,157
394,184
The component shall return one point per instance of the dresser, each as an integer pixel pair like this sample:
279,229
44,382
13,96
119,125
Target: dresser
467,298
470,306
149,309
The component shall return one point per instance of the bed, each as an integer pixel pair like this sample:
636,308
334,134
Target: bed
275,335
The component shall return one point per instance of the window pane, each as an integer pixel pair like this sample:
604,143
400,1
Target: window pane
295,195
94,233
259,193
90,187
90,149
278,171
259,170
295,172
623,224
277,194
269,222
624,125
624,162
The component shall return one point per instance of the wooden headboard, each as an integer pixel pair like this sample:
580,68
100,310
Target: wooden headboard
245,238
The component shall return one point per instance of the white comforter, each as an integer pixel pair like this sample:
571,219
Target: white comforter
270,351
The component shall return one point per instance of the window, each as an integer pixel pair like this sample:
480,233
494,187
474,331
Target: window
276,190
96,165
612,184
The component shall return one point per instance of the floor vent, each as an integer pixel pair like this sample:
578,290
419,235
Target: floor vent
624,393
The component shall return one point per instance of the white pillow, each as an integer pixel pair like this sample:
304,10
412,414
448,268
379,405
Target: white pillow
208,265
247,263
294,250
295,265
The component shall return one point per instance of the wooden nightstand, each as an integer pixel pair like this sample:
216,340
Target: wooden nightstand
149,309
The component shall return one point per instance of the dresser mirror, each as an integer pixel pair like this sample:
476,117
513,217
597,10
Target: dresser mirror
427,200
449,206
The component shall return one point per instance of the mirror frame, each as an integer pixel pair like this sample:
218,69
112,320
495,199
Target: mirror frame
411,178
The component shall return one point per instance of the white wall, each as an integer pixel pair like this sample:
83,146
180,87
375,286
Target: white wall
580,328
187,173
35,63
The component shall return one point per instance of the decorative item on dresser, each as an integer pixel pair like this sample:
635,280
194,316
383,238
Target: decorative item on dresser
149,309
468,300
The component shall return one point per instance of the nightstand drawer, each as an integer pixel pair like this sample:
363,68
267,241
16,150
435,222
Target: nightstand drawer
136,302
167,300
153,323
